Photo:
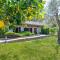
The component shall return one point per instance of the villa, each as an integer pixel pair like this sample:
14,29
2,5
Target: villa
32,26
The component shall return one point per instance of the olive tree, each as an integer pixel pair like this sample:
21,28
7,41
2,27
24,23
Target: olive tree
54,11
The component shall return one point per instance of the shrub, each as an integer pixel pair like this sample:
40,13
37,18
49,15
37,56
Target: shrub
2,33
12,34
20,34
45,31
26,33
53,31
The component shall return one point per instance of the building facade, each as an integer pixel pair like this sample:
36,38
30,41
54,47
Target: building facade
31,26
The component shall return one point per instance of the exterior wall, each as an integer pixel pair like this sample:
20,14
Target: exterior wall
22,29
33,29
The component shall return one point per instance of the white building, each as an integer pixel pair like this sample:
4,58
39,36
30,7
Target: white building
32,26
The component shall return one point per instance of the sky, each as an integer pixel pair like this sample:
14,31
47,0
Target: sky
47,1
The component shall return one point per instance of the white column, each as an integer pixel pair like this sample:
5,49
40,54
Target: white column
22,29
38,30
32,30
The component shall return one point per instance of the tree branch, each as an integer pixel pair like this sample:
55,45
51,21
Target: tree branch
57,19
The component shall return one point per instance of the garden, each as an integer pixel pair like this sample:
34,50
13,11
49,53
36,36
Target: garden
14,13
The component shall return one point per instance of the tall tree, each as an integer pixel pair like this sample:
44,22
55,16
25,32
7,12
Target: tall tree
54,11
14,12
18,10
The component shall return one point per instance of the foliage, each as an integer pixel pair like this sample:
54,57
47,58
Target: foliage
44,30
14,12
26,33
53,30
40,16
54,11
20,34
18,10
2,24
12,35
2,32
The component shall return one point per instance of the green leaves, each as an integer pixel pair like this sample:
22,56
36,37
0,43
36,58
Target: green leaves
17,11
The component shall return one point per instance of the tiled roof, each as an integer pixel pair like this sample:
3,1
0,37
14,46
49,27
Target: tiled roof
34,23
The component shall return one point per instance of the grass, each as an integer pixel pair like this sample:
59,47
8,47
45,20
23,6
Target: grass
41,49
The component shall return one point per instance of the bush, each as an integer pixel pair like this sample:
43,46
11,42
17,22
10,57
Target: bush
2,33
53,31
26,33
12,34
20,34
45,31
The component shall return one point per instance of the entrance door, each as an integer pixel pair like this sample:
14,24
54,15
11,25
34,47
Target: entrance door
30,29
18,29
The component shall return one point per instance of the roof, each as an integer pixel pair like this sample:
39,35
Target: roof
34,23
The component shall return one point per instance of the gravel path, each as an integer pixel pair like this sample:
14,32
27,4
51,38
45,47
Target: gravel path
23,38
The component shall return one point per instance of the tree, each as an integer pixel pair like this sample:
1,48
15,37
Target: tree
16,11
53,11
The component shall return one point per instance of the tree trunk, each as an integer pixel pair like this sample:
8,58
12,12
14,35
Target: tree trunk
58,22
59,36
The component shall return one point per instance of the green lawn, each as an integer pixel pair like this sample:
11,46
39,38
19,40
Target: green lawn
42,49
